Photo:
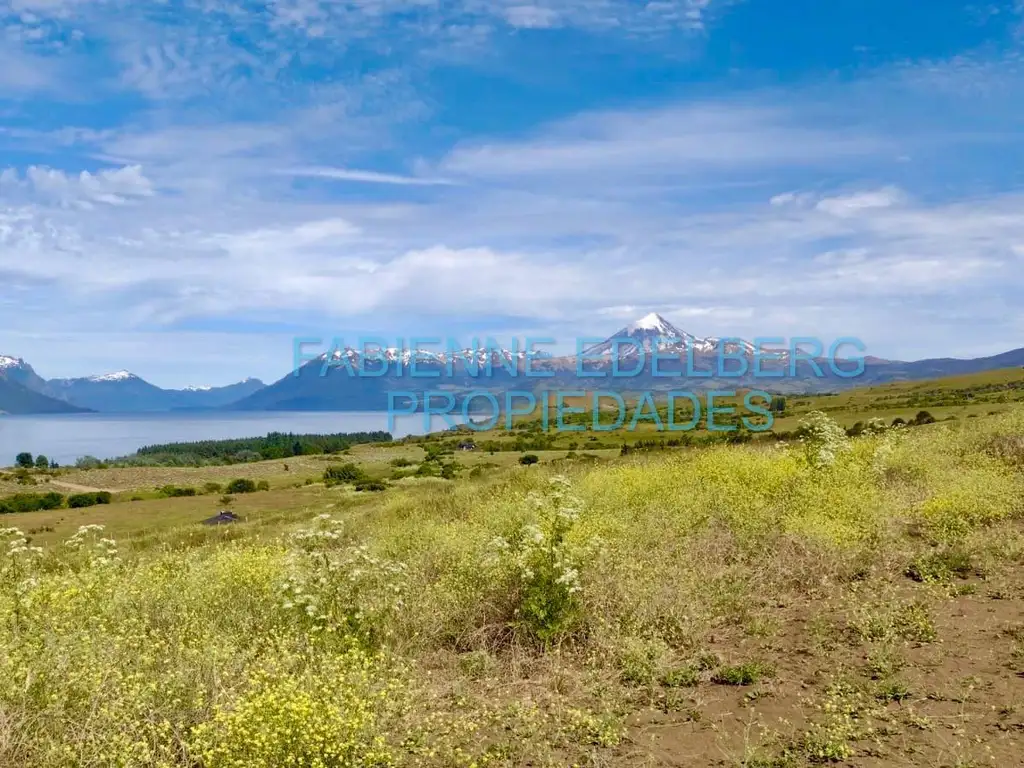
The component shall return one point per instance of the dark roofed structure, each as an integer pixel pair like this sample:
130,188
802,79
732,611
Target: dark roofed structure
222,518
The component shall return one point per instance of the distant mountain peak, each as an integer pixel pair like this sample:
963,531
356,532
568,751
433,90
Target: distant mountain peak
6,361
650,328
654,323
249,380
115,376
15,369
403,356
654,330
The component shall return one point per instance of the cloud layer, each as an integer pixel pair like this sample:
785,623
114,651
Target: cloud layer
192,196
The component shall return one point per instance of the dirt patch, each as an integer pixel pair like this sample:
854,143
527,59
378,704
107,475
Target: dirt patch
948,691
82,488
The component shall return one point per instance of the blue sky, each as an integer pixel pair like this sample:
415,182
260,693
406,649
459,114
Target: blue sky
186,185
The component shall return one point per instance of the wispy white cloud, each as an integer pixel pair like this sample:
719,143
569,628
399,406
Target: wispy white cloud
692,138
850,205
22,72
531,17
371,177
111,186
222,46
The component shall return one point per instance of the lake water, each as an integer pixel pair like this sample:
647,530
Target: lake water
66,437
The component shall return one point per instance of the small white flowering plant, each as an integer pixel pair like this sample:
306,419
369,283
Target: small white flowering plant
18,568
543,569
886,450
339,589
97,550
823,440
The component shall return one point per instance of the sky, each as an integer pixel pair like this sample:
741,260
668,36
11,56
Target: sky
186,186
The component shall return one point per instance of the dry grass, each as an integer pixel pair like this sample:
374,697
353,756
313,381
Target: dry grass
731,606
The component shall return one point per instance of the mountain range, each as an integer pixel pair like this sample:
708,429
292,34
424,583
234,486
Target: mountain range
22,390
349,379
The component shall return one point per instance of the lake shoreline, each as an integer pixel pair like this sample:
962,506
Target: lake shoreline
66,437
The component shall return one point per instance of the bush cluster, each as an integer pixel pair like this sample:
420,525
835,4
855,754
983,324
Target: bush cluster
31,502
88,499
338,474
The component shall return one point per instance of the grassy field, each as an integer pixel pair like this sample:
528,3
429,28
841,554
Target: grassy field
848,601
959,397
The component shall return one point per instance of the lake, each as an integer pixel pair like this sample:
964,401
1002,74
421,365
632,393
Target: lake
66,437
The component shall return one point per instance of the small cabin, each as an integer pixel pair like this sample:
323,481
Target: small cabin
222,518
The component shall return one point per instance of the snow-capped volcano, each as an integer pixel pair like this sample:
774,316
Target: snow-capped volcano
655,324
653,329
648,330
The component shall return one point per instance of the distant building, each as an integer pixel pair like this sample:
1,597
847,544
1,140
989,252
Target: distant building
222,518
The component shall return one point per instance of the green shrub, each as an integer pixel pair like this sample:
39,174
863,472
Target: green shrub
528,458
343,473
742,674
212,487
172,491
262,485
941,566
371,485
241,485
427,469
24,477
89,499
30,502
922,418
680,677
892,690
639,659
906,621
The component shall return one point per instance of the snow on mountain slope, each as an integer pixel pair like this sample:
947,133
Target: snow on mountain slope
115,376
17,370
654,323
648,331
652,331
404,356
